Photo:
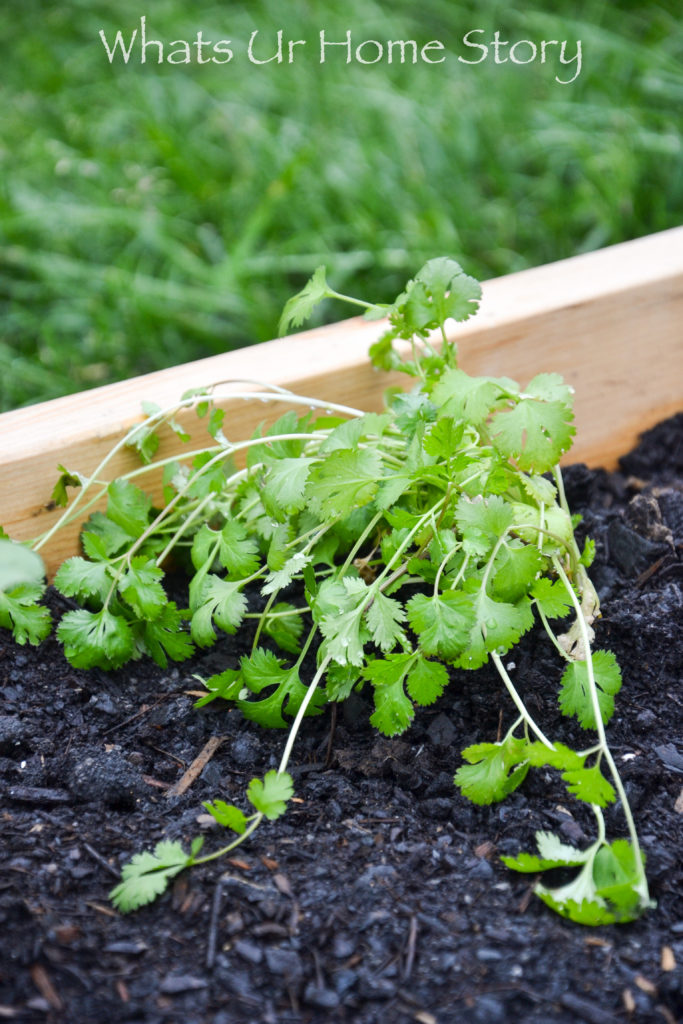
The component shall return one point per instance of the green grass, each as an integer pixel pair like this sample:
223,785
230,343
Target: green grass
152,215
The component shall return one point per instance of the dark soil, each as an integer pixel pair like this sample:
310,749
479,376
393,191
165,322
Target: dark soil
380,896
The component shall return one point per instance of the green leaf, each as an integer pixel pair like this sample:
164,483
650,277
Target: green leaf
300,306
440,290
20,612
228,685
285,626
482,522
340,681
18,564
263,671
550,387
67,479
590,785
338,609
426,681
220,602
514,571
147,875
534,433
145,440
96,639
349,434
494,771
128,507
393,709
384,617
441,622
552,598
237,551
103,538
444,441
270,796
163,637
140,588
588,553
561,756
453,294
80,578
346,480
276,581
467,399
227,815
498,627
285,482
575,698
608,888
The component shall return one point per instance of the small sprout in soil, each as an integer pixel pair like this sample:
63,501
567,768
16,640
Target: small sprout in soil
426,540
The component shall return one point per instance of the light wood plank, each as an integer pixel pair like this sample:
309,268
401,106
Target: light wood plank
611,322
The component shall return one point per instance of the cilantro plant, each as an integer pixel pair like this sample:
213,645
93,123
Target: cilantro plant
423,542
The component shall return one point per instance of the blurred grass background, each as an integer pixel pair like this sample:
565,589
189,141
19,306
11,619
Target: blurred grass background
150,215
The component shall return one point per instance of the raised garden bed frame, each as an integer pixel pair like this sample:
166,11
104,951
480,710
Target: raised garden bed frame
610,322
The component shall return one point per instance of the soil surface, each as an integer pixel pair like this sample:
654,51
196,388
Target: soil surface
380,896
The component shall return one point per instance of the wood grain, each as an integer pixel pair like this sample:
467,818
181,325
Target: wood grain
611,322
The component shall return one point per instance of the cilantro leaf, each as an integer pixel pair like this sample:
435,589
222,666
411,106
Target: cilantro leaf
346,480
81,578
221,602
227,684
280,579
285,482
514,571
498,627
384,617
140,588
300,306
494,770
148,874
426,681
96,639
338,609
393,709
441,622
534,433
465,398
227,815
20,612
270,796
67,479
284,626
590,785
128,507
163,637
264,670
551,597
237,551
605,890
441,290
552,854
19,565
482,519
575,696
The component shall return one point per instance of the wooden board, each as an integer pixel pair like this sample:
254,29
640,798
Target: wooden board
611,322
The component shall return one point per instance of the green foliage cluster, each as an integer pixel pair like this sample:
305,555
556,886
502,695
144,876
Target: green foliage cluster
421,541
155,214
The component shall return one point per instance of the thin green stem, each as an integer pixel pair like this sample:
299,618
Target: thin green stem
518,702
600,728
294,728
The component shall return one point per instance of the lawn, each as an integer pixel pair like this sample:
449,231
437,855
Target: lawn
152,214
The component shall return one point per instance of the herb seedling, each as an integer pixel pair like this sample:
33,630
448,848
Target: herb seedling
427,540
